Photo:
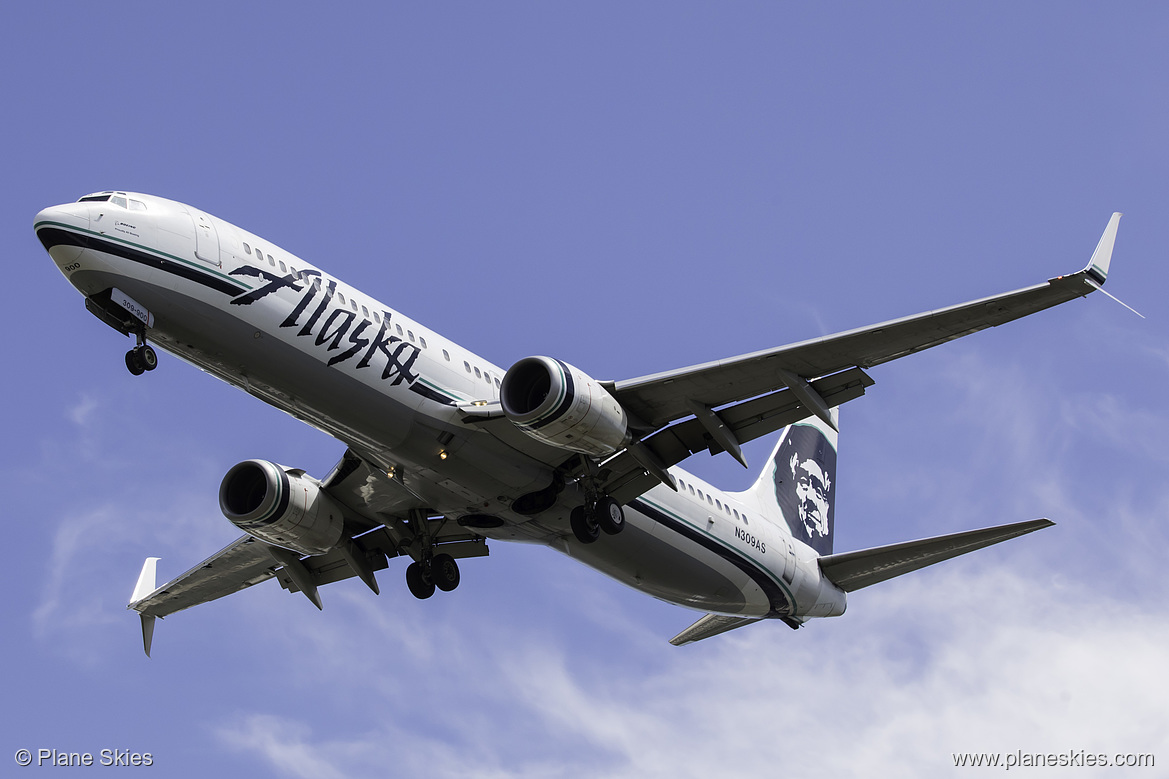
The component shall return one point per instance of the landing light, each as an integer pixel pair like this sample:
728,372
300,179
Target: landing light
442,455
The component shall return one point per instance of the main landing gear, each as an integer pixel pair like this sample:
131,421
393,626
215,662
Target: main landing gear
142,357
440,571
601,513
430,570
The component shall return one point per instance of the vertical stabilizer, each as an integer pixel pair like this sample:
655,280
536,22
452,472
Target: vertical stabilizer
798,482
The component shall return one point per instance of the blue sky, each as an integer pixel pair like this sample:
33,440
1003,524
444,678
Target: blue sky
631,188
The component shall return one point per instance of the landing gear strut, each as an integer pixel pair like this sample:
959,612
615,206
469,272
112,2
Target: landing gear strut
142,357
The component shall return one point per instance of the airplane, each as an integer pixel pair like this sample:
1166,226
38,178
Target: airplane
445,451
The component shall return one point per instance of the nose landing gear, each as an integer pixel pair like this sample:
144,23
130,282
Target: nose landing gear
142,357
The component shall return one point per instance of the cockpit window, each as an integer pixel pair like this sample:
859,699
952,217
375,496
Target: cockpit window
117,198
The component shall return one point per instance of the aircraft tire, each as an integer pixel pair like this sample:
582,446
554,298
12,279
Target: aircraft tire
444,571
148,358
134,363
584,526
610,515
420,586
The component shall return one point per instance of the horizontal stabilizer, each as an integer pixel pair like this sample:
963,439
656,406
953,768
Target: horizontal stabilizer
710,625
853,570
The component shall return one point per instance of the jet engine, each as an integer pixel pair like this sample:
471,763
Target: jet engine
556,403
281,506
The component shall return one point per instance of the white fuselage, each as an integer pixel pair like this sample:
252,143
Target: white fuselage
266,321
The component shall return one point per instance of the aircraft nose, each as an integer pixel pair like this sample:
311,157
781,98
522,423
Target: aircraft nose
67,215
57,228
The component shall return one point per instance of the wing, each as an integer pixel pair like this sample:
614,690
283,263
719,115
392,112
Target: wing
758,393
383,519
664,397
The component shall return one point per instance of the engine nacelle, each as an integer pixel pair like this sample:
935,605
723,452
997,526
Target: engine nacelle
281,507
558,404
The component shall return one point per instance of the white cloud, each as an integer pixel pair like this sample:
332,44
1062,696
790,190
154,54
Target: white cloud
82,412
282,743
958,659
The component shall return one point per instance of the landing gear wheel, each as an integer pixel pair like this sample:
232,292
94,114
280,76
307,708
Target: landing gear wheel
134,362
444,572
584,525
421,587
147,357
610,516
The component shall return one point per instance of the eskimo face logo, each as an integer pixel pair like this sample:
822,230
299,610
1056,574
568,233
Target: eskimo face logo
805,466
813,486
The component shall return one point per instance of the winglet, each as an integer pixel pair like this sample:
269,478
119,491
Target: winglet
144,587
146,578
1097,270
1098,266
147,632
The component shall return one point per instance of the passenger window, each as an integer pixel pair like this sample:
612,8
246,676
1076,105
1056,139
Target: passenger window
365,310
282,268
467,365
700,494
709,500
341,298
410,335
247,249
271,261
446,355
422,341
353,304
399,329
377,318
478,375
718,505
691,488
488,377
497,383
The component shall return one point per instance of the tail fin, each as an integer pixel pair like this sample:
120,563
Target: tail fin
799,481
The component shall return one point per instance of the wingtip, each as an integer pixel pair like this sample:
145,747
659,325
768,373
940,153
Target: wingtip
147,632
1102,257
146,580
